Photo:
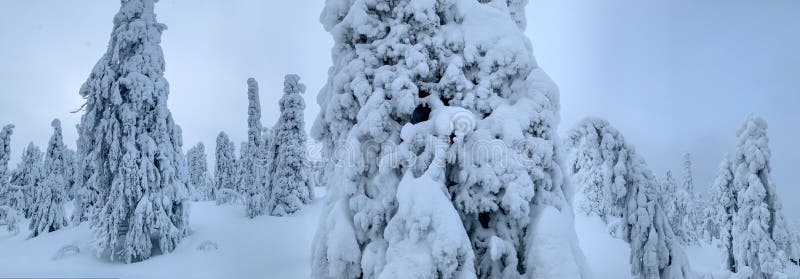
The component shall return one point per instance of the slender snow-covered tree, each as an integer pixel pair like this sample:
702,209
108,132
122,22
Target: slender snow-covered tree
48,213
199,176
251,176
26,177
761,240
71,158
225,170
290,187
669,202
5,156
8,215
723,202
132,170
618,181
688,178
399,62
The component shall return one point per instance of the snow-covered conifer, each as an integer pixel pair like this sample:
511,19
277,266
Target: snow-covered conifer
761,240
688,178
251,176
290,188
396,62
225,169
5,156
618,181
8,216
26,177
199,176
71,161
670,203
132,170
48,213
723,202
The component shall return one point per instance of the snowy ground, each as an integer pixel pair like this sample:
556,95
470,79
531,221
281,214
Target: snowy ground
608,257
265,247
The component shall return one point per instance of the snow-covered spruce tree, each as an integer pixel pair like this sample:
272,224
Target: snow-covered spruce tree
393,62
761,240
669,203
8,215
199,176
695,205
48,213
290,188
723,202
688,178
26,177
71,159
132,169
5,156
619,182
225,170
252,176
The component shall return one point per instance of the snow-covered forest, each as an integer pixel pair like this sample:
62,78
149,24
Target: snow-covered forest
438,149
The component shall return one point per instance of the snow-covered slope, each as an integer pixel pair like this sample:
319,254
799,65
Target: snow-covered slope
264,247
608,257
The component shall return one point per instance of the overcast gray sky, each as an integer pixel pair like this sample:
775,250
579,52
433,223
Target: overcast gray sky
673,75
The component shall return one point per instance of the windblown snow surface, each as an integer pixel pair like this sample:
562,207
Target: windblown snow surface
224,243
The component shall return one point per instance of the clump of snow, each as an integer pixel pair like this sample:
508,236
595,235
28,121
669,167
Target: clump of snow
208,246
66,251
426,238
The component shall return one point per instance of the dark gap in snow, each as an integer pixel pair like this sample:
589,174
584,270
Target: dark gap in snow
420,114
423,93
484,218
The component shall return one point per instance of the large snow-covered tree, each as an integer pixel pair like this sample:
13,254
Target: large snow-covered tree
48,213
26,177
399,62
199,177
225,169
761,240
252,168
290,187
132,173
615,179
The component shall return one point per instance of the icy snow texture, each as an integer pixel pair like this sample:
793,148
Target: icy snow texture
132,172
